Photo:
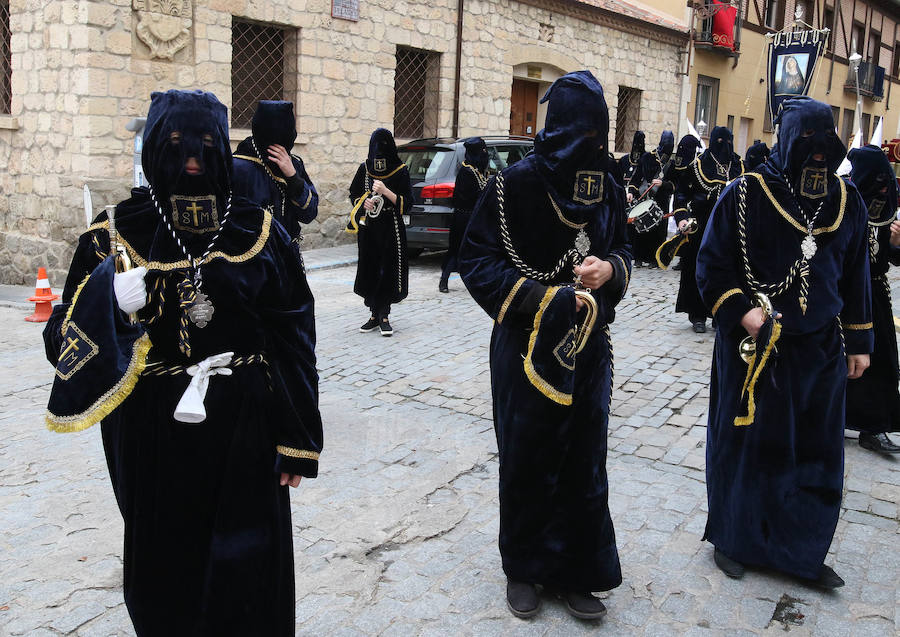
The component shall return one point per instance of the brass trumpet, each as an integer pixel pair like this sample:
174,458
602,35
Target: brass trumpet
747,346
583,331
378,201
118,251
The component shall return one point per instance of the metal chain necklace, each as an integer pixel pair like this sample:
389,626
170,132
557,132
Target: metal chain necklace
582,240
271,175
201,309
808,246
723,171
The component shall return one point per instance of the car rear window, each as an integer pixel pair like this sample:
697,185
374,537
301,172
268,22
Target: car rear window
425,163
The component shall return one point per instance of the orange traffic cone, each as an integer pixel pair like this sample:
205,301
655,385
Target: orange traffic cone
42,298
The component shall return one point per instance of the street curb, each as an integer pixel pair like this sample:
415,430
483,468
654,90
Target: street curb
331,265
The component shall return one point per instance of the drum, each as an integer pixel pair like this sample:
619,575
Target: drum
645,215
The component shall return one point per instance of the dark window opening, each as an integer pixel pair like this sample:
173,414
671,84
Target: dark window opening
416,93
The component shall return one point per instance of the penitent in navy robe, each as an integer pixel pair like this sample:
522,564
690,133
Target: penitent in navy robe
555,526
774,457
208,548
291,201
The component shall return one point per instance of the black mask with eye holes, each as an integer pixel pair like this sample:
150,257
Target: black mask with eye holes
180,125
805,129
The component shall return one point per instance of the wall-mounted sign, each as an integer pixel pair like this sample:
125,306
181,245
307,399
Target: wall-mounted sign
534,72
345,9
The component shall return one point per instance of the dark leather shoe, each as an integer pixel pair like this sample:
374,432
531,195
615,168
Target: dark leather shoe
522,599
828,578
700,328
584,605
442,287
730,567
877,442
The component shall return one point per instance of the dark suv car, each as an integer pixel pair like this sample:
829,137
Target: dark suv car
433,164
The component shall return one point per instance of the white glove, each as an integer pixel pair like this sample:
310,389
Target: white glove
130,289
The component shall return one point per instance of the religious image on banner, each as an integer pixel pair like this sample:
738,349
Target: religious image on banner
792,60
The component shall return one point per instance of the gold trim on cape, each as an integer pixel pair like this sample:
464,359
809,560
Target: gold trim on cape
794,222
858,326
65,323
390,174
539,383
257,160
753,373
624,269
509,299
728,294
109,401
290,452
354,227
168,266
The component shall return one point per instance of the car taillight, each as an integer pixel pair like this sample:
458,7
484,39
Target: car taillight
438,191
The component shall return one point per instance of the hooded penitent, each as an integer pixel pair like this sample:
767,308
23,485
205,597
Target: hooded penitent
775,443
637,146
687,151
718,160
570,150
207,526
873,176
182,124
534,221
476,153
274,123
666,146
805,132
757,154
383,157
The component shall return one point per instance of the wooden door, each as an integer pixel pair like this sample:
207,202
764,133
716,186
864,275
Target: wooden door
523,108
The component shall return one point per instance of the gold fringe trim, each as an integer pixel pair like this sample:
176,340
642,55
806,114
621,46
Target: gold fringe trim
354,227
722,299
168,266
65,323
858,326
290,452
539,383
837,222
684,239
105,405
509,299
256,160
753,373
380,177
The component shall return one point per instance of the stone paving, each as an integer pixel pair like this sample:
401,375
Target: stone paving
397,536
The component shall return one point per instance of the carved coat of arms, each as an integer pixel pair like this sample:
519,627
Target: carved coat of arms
164,25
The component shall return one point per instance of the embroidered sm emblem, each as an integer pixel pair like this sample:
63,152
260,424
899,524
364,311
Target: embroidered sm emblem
77,349
195,214
565,351
588,187
814,183
380,164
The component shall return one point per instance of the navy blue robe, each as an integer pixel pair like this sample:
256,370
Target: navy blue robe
291,202
208,546
774,458
555,527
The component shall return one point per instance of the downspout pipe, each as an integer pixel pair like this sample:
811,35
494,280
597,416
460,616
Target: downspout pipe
456,80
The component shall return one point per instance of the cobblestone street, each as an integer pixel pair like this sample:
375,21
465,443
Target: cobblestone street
398,535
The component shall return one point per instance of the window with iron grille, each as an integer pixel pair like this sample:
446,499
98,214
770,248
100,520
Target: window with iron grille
628,117
263,67
416,93
5,60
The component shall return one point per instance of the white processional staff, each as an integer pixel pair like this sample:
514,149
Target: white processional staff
88,206
693,131
879,132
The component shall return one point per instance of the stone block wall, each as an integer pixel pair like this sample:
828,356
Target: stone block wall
83,69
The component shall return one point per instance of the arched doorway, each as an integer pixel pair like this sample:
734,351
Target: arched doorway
529,83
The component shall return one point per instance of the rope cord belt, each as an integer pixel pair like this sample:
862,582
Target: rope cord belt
162,368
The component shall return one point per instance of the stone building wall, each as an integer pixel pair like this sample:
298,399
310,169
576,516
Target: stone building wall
83,69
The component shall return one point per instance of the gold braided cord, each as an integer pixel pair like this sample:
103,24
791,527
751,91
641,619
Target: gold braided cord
794,222
65,324
612,365
108,402
571,224
858,326
481,178
728,294
539,383
290,452
168,266
256,160
509,299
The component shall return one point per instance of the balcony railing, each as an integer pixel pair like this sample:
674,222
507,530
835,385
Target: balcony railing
705,35
871,81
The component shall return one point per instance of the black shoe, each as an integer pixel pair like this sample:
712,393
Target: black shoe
386,329
584,605
369,325
713,323
731,568
677,266
877,442
522,599
700,328
442,286
828,579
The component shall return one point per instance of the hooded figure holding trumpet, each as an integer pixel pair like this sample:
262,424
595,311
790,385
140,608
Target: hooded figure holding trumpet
784,267
546,256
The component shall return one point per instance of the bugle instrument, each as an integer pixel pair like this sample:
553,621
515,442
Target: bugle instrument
747,346
117,250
